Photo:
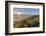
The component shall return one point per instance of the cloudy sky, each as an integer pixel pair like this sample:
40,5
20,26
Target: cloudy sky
29,11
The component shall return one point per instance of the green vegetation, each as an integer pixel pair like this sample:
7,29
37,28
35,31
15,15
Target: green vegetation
32,21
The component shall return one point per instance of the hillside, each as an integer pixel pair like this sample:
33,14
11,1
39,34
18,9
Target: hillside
20,17
26,21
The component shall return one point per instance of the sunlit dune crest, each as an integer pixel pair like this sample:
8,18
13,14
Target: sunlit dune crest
18,13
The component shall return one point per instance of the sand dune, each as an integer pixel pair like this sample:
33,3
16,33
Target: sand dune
20,17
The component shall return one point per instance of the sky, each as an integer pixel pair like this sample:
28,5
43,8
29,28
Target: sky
29,11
